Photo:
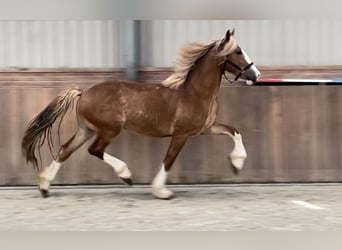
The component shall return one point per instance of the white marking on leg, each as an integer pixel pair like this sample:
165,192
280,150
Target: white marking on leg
48,175
239,154
161,177
158,185
120,167
307,205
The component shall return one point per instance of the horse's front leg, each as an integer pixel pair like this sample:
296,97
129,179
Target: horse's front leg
159,189
238,155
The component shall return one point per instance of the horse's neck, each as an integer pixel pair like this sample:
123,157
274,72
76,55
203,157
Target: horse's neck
205,78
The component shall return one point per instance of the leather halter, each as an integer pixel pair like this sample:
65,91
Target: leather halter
241,70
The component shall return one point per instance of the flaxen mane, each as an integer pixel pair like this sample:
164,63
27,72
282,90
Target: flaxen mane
187,57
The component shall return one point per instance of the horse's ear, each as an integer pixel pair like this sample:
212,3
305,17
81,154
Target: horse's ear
229,34
226,38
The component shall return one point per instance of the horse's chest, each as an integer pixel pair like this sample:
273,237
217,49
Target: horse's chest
211,116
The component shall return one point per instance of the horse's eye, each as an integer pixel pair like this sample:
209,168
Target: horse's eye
239,52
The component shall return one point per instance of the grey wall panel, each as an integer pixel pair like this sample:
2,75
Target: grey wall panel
75,43
268,42
59,44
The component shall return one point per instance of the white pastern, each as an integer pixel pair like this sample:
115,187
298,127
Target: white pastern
239,154
248,60
48,175
158,185
120,167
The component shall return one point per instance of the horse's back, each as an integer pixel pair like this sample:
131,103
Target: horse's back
143,108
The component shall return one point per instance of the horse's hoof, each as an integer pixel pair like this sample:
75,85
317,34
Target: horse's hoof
234,169
45,193
236,163
162,193
166,198
127,181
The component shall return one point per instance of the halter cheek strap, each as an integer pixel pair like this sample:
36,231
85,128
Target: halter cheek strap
241,70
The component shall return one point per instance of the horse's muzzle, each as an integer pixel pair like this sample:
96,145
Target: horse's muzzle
251,75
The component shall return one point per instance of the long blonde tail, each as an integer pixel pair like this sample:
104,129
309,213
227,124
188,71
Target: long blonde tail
40,128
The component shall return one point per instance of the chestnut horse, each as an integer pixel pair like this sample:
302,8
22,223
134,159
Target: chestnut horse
183,105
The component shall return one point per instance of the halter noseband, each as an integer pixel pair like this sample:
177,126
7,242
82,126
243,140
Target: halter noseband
241,70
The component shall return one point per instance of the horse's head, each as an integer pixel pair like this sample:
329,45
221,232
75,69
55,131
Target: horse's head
236,60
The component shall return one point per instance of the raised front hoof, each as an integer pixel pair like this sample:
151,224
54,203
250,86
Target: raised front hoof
234,169
236,163
162,193
127,181
45,193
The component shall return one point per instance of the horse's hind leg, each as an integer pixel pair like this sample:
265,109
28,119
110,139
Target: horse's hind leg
97,148
46,176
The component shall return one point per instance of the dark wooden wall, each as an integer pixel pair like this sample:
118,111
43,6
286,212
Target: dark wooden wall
291,133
